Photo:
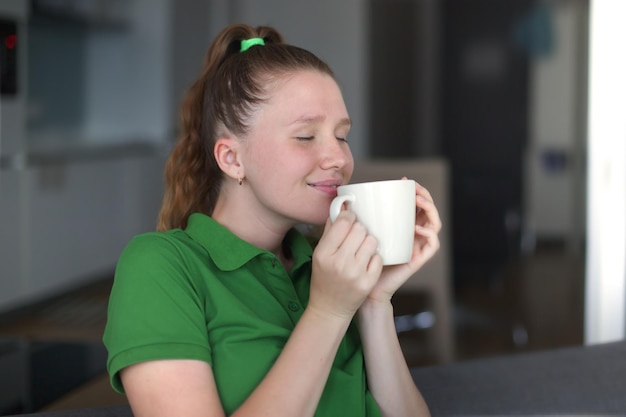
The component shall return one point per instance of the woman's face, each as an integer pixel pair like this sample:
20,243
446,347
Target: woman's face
295,153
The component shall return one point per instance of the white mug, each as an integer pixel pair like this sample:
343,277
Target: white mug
387,210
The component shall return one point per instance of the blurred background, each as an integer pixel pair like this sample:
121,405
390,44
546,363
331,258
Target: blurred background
493,91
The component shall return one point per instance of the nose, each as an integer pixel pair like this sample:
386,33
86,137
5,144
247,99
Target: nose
335,153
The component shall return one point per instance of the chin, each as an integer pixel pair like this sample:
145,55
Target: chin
317,218
313,213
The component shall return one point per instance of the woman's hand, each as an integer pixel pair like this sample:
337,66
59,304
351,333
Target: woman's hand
345,267
425,245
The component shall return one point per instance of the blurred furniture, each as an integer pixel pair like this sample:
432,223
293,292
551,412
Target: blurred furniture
429,289
583,380
97,392
14,380
34,373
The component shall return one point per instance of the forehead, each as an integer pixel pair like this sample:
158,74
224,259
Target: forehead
304,94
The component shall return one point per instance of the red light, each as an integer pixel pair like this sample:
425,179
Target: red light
10,41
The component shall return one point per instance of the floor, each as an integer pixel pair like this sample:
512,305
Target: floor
533,303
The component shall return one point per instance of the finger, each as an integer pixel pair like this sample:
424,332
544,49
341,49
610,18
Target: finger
367,250
375,265
421,190
427,209
353,241
430,237
335,232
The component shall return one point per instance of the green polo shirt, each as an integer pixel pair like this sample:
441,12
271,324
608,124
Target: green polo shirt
203,293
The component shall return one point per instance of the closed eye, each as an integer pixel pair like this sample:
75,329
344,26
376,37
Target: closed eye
309,138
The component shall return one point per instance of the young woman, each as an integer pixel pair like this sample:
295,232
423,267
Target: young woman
227,310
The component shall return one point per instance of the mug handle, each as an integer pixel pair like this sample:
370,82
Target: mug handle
335,206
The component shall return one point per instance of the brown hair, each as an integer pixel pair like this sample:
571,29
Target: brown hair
231,85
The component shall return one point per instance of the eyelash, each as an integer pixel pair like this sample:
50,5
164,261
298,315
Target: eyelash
307,138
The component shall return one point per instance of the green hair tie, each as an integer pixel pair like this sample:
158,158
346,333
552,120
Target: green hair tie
246,44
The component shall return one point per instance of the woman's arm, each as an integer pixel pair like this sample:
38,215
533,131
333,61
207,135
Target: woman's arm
178,387
292,387
389,378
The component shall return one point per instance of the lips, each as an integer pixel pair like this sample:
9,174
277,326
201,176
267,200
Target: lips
327,186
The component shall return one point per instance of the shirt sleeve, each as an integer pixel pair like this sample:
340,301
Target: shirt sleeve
154,310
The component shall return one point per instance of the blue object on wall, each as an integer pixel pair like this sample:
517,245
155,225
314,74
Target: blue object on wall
535,31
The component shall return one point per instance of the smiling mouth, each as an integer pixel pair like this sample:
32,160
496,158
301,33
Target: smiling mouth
324,185
330,189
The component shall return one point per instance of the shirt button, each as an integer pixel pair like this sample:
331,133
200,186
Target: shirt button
293,306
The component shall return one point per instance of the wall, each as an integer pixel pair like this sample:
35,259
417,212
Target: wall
555,155
190,40
137,78
111,75
128,76
80,213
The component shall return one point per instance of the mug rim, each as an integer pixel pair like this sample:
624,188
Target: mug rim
376,182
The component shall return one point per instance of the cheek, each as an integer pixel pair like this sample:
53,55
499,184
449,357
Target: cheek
349,168
294,161
274,168
261,159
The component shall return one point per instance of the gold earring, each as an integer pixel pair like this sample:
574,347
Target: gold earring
240,181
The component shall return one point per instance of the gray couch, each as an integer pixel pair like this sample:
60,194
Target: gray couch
569,381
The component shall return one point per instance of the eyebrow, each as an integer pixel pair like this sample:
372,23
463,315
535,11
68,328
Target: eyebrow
317,119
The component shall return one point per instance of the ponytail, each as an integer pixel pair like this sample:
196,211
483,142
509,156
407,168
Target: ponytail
188,175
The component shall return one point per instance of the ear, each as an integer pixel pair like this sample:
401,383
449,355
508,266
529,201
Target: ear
226,152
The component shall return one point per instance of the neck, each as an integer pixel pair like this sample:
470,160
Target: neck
247,224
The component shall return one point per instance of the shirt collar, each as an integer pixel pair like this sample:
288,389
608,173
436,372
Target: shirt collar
229,252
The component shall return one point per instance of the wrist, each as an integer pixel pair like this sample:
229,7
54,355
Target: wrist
372,308
327,316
